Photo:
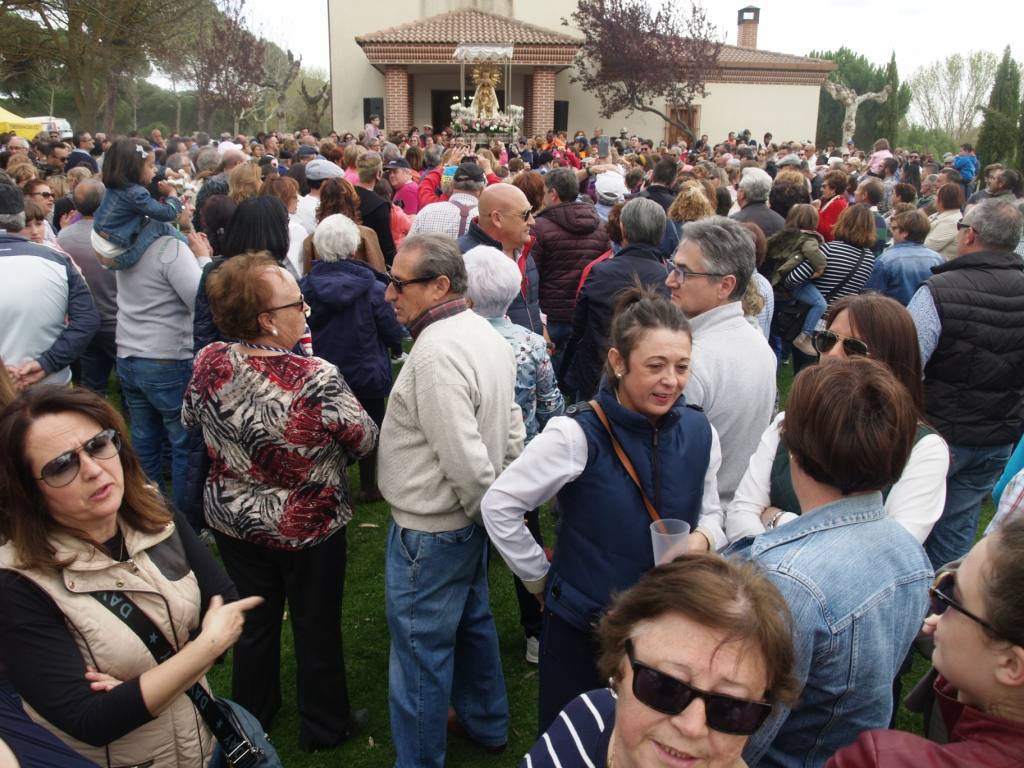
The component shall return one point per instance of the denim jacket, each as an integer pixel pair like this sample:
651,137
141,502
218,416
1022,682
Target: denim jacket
902,269
123,212
857,585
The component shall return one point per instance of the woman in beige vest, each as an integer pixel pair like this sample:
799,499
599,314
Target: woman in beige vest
81,519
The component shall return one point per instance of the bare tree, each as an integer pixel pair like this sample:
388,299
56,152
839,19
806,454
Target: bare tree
851,101
316,103
947,93
631,60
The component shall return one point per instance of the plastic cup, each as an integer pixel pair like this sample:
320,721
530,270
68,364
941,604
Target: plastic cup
669,539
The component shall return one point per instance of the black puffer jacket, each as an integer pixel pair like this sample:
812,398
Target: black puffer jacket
569,236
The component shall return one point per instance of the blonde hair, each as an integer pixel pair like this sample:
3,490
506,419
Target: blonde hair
22,173
691,203
244,182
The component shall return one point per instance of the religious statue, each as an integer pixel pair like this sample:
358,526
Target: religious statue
485,100
849,99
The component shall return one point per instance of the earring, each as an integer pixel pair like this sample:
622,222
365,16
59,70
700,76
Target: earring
618,374
611,687
273,331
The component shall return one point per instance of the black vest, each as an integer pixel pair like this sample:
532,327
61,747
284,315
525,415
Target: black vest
974,381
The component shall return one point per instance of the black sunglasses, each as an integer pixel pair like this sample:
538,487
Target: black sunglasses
664,693
824,341
400,284
64,469
939,593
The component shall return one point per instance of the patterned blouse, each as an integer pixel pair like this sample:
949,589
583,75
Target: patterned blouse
280,431
537,391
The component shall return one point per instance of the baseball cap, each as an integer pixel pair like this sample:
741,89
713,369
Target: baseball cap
399,162
469,172
305,151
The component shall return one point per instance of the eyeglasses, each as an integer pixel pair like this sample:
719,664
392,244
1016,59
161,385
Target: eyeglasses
940,592
64,469
524,215
401,284
300,304
664,693
824,341
681,273
963,225
47,195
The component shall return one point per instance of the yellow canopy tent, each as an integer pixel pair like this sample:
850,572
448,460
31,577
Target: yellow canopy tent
11,122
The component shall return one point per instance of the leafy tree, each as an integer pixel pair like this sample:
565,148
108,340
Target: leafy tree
632,59
1020,138
947,93
998,137
924,139
894,110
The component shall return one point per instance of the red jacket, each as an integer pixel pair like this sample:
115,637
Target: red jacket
975,739
829,215
430,186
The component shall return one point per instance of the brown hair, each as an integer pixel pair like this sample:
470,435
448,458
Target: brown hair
369,166
284,188
887,328
760,242
238,293
950,197
34,211
727,596
25,520
836,180
802,216
243,182
414,157
1004,581
614,224
881,144
856,226
850,424
338,196
914,224
7,390
532,185
638,310
691,204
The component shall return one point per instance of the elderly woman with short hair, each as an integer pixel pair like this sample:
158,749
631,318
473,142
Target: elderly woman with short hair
352,325
281,430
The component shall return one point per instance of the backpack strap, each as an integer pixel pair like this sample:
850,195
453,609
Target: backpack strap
624,459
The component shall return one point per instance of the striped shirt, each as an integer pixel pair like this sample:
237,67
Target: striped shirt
841,261
580,736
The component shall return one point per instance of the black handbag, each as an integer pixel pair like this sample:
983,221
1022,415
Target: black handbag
237,731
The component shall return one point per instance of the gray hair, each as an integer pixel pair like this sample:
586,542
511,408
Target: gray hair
433,154
12,222
468,185
88,195
997,224
177,161
207,159
494,280
336,238
643,221
564,182
439,255
756,185
726,248
390,152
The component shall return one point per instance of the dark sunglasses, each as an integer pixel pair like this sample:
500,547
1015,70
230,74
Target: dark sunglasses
524,215
47,195
62,470
664,693
939,593
824,341
400,284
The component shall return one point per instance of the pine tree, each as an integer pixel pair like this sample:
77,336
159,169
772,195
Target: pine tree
1020,138
998,137
892,112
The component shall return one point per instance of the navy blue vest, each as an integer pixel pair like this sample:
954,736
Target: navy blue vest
604,541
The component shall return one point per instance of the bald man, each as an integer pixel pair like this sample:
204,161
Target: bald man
503,222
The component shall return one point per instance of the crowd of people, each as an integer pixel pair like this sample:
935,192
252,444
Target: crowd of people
590,326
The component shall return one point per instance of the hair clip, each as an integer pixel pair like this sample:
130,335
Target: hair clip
141,150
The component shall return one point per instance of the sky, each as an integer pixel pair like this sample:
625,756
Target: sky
920,31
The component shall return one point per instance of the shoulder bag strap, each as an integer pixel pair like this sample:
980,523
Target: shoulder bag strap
828,296
624,459
238,750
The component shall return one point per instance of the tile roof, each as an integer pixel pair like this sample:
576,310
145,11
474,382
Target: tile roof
733,57
468,26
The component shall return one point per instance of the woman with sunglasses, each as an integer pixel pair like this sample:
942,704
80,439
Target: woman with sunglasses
977,625
855,580
604,542
699,628
81,520
281,429
868,325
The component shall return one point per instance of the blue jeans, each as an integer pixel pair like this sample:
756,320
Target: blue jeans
97,362
972,473
152,392
559,333
444,643
811,296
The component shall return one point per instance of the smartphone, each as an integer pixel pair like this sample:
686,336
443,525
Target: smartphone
603,146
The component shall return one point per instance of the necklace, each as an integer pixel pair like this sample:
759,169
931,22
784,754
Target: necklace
265,347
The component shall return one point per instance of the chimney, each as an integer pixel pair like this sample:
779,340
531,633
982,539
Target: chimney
746,36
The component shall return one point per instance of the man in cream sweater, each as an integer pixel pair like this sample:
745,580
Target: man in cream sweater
451,426
732,376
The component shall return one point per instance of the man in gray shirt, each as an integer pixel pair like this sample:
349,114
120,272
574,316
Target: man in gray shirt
155,301
98,359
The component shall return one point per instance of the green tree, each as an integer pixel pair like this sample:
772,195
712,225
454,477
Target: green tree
923,139
948,92
892,113
856,72
998,137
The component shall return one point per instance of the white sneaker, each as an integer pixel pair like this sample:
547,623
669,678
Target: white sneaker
804,344
532,650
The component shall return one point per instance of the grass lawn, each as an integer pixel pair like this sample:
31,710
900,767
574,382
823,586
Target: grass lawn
366,654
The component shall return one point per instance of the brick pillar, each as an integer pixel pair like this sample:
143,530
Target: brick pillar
527,105
396,99
411,113
542,101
